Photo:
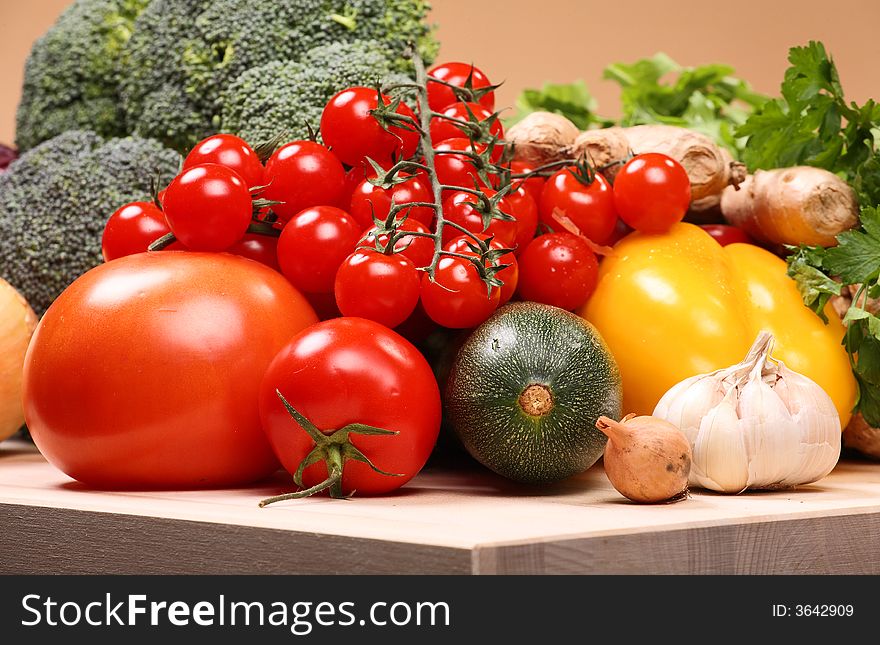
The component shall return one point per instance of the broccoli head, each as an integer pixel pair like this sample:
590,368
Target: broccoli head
286,96
56,198
71,76
184,54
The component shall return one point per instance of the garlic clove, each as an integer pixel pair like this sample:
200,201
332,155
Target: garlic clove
720,458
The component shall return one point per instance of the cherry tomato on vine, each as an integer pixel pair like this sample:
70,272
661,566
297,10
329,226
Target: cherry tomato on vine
533,185
458,297
525,210
131,229
460,207
652,192
725,234
456,169
509,276
260,248
376,286
440,95
590,207
368,201
558,269
314,244
230,151
208,207
302,174
351,370
419,249
349,128
442,129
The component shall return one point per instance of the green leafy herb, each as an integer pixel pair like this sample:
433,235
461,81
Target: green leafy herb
572,100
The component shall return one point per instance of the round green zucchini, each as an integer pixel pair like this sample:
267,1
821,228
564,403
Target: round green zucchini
525,391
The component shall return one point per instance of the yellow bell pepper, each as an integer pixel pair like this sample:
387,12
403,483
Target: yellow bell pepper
675,305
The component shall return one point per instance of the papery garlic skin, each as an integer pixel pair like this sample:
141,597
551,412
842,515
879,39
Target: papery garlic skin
754,425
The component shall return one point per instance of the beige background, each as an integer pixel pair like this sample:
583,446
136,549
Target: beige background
527,42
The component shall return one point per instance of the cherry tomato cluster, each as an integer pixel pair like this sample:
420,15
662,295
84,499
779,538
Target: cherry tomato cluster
353,223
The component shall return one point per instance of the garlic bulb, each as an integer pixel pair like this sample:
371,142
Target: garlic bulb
754,425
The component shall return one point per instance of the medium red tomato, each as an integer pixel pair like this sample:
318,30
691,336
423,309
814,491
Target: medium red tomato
346,371
145,372
260,248
313,245
376,286
456,74
353,133
459,207
208,207
558,269
509,276
525,210
442,129
417,248
652,192
230,151
533,185
456,169
589,207
457,297
725,234
302,174
368,201
131,229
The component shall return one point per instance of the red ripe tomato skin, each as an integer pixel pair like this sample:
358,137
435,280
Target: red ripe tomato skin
379,287
509,276
418,249
525,210
725,234
534,184
145,372
458,298
352,370
652,192
368,200
353,133
131,229
590,208
313,245
230,151
260,248
558,269
458,207
455,169
454,73
442,129
208,207
302,174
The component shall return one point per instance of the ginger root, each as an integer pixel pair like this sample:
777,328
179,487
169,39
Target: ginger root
542,137
799,205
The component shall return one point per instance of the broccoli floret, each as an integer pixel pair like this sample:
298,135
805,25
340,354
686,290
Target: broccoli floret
285,96
184,54
71,76
56,198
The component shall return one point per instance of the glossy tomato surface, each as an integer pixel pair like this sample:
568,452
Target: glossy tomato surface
145,372
131,229
351,370
230,151
440,95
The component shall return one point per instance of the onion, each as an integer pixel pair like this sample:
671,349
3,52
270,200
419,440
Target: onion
17,323
647,459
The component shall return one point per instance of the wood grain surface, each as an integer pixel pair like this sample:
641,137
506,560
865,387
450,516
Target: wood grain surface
462,520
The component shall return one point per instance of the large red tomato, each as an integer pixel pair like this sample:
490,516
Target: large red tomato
145,372
345,371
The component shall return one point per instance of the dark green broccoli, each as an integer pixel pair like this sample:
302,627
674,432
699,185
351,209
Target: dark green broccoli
56,198
184,54
71,75
285,96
